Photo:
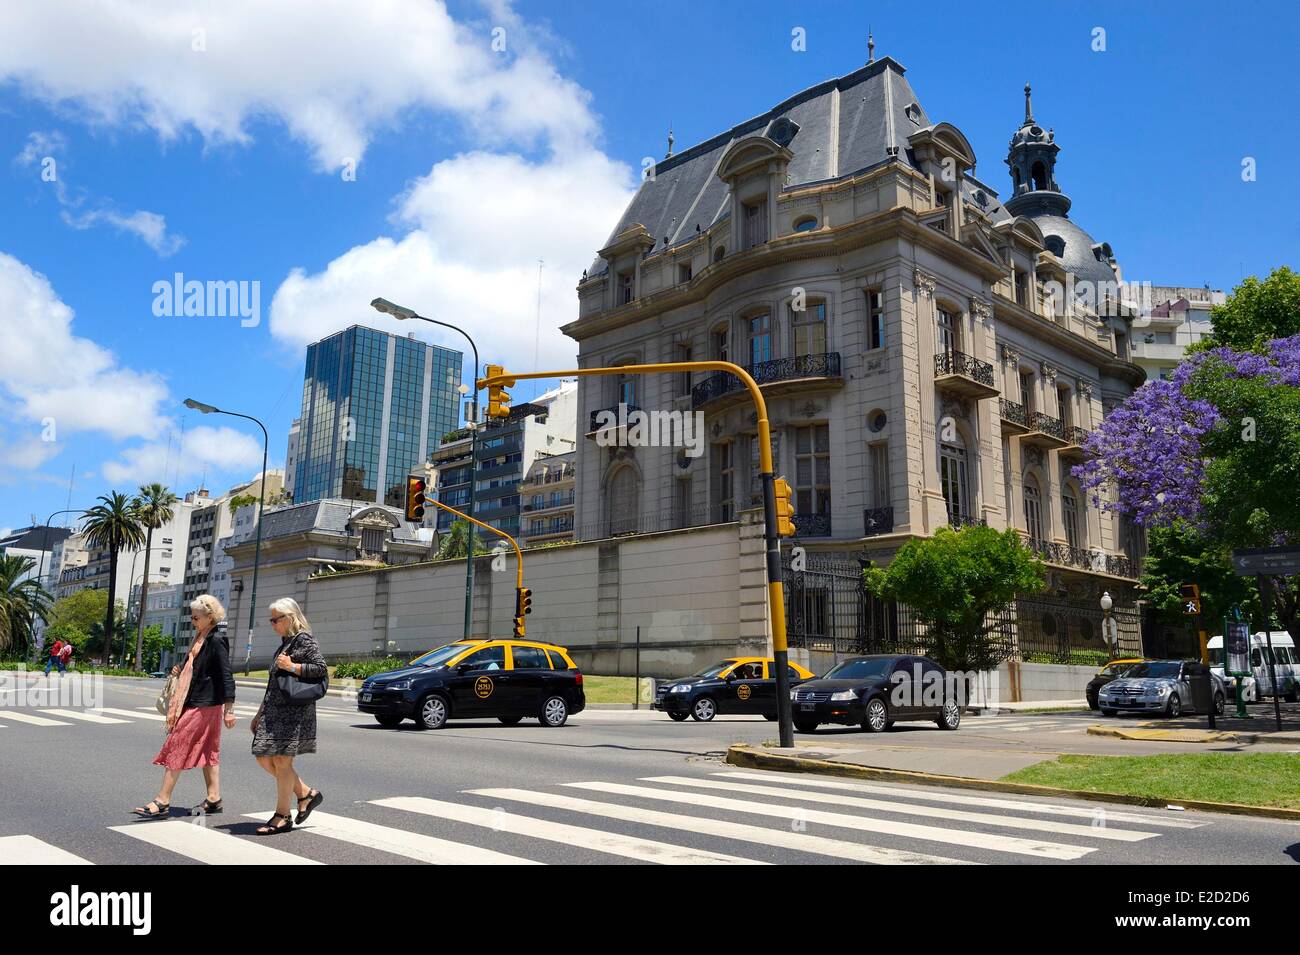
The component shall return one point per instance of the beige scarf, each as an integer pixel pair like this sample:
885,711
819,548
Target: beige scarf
183,685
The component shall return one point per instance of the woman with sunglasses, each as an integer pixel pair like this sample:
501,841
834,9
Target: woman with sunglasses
283,728
203,699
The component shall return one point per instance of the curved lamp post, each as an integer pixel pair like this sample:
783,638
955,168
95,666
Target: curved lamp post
261,509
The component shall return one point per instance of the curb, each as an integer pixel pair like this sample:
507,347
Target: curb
751,758
332,691
1166,735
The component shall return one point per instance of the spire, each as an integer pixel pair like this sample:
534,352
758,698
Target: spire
671,140
1029,110
871,47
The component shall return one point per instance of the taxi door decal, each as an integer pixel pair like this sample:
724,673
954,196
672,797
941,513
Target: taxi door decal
483,687
743,691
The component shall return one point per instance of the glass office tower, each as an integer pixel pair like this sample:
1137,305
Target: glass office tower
373,406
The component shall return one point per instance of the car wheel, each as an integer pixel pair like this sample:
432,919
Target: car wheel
704,709
388,721
1092,703
1175,706
555,712
806,726
432,713
950,718
877,718
510,720
1106,712
1218,704
678,717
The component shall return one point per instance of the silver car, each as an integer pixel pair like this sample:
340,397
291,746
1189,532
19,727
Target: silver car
1157,686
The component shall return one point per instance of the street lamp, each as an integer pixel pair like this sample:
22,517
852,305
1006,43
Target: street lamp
402,313
261,508
1107,604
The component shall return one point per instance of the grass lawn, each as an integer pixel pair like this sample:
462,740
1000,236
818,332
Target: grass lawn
1253,779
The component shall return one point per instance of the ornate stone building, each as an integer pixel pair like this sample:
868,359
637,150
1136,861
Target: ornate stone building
930,354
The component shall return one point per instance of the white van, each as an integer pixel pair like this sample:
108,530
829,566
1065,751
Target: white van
1286,664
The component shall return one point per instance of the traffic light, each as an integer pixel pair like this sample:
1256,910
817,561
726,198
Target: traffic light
498,397
1191,595
523,605
415,488
784,509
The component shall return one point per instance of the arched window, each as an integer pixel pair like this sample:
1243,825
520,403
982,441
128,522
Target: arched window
624,506
954,480
1070,515
1033,510
808,329
719,252
1040,176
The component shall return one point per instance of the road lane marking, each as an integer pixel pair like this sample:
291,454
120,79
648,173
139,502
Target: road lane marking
84,715
28,850
33,719
213,846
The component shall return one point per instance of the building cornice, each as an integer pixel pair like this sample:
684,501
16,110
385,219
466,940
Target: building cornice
1019,317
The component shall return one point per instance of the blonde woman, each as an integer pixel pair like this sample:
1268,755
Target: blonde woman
283,729
203,700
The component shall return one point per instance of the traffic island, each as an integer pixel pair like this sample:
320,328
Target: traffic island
1164,735
1139,782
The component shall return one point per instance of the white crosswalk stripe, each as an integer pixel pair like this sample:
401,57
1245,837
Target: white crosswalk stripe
86,716
909,809
412,845
20,717
213,846
134,714
935,795
977,840
28,850
646,850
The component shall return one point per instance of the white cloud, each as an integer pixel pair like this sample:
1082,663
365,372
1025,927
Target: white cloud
50,375
41,145
148,226
479,224
334,72
203,450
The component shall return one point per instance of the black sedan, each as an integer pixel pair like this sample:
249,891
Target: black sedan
875,692
740,685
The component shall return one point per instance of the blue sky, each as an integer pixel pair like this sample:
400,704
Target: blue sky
211,140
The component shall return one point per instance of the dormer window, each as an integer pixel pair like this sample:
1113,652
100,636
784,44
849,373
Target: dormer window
683,272
806,224
755,223
624,288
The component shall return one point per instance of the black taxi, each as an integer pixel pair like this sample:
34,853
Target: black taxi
478,679
745,685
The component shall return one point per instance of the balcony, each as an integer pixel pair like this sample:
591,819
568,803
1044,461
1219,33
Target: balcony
1063,555
958,521
776,377
812,525
1074,439
1045,431
1015,418
877,520
608,430
963,375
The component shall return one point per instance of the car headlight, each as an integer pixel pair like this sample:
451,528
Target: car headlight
843,696
397,685
681,688
793,694
1164,689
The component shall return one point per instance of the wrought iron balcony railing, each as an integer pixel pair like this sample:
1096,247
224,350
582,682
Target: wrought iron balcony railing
1046,424
1122,567
812,525
596,415
959,363
1014,412
1075,435
767,372
958,521
877,520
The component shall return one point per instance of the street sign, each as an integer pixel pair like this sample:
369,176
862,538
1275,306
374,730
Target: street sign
1267,560
1236,643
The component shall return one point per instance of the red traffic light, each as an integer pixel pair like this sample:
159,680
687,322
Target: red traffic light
415,492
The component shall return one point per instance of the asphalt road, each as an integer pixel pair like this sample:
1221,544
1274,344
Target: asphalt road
612,786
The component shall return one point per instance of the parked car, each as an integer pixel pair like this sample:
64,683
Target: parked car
877,691
1259,684
734,685
478,679
1112,670
1158,686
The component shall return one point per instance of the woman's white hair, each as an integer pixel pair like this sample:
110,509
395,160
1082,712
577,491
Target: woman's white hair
288,607
209,606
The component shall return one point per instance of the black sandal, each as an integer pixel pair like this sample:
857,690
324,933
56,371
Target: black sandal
312,799
207,808
162,812
271,828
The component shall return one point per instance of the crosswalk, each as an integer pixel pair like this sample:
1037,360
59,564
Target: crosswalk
46,717
1028,724
726,817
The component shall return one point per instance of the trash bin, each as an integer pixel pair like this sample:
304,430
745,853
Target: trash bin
1198,678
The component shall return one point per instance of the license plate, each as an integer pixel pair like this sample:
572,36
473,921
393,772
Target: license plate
807,707
365,697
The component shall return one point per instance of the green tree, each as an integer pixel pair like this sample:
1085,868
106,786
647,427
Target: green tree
953,581
22,600
155,642
1255,313
455,543
243,500
1182,554
154,507
114,525
79,611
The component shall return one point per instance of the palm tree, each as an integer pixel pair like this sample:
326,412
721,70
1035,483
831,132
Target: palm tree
22,600
455,543
114,525
153,505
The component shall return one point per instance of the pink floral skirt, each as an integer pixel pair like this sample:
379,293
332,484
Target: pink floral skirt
195,741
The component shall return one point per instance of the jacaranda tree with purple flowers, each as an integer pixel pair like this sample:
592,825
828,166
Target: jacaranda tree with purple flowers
1216,449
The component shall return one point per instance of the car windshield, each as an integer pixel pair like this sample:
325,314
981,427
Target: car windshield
1119,669
439,657
1160,669
714,669
861,669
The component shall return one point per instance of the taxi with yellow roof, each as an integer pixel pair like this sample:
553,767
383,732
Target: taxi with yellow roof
507,680
736,685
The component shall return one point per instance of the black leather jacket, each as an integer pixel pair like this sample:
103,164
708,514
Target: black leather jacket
213,681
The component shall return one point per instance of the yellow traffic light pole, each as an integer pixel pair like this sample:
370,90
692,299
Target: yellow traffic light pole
497,378
469,547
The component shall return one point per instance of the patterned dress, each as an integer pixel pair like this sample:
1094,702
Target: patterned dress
286,728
